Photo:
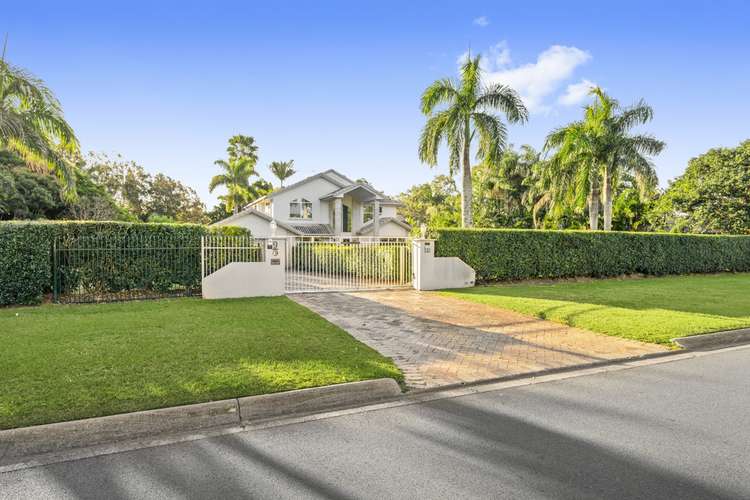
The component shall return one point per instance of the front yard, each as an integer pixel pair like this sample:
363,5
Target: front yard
69,362
648,309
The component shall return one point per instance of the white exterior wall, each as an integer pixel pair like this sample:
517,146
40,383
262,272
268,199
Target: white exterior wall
311,191
392,230
389,211
436,273
248,279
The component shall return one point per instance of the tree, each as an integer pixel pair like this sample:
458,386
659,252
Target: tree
468,114
712,196
235,177
591,155
500,188
142,194
242,146
282,170
435,204
33,127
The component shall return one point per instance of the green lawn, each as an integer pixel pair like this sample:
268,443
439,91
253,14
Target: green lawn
68,362
648,309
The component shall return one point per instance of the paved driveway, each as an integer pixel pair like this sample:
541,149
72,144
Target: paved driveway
438,340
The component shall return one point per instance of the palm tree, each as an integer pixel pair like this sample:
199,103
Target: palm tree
591,154
468,114
236,178
282,170
32,125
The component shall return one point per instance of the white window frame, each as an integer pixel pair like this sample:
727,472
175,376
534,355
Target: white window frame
368,211
300,209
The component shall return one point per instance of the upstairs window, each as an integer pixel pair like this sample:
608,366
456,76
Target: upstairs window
367,212
300,209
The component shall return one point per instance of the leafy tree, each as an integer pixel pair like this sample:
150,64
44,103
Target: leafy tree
25,194
242,146
591,155
142,194
500,189
712,196
435,204
235,177
33,127
282,170
468,114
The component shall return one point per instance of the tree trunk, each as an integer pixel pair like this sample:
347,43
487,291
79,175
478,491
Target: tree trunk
607,198
594,206
466,192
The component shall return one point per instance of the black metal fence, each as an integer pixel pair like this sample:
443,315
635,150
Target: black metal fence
113,267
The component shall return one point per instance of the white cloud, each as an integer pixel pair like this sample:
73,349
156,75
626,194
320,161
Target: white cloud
576,93
481,21
536,81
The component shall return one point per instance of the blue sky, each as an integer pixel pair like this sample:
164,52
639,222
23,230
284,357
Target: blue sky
337,84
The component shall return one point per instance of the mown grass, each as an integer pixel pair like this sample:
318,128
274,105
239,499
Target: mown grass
68,362
649,309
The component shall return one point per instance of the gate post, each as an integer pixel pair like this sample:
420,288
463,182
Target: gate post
435,273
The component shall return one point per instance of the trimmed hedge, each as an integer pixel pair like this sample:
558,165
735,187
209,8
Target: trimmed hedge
97,257
513,254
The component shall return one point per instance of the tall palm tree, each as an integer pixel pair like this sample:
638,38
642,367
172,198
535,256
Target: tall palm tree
282,170
32,125
468,113
591,154
236,178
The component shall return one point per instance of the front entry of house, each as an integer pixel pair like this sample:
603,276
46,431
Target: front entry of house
249,267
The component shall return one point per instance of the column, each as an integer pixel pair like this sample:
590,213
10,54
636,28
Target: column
338,216
376,218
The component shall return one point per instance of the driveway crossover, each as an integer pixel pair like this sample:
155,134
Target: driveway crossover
438,340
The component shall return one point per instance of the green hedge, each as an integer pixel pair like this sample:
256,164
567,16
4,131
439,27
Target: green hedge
97,258
510,254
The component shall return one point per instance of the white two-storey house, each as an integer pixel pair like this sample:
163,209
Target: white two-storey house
325,204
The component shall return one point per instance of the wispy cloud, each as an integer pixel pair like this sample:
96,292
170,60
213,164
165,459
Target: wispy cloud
481,21
576,93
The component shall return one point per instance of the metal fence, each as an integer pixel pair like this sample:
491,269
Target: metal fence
350,263
113,267
218,251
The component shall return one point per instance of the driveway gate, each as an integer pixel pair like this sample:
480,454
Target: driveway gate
315,264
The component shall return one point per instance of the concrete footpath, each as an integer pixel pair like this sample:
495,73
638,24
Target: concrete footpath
674,427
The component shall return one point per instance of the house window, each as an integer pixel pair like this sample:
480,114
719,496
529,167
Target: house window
368,210
300,209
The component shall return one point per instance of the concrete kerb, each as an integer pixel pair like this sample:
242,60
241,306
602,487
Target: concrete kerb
53,438
714,340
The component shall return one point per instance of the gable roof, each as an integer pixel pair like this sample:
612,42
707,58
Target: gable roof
369,226
257,213
330,175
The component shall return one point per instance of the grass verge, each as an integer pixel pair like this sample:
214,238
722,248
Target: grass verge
653,309
69,362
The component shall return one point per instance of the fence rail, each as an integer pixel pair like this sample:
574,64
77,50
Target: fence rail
113,267
341,264
218,251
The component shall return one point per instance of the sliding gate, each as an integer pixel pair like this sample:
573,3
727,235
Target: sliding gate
346,264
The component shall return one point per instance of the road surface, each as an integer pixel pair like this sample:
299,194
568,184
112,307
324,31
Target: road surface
673,430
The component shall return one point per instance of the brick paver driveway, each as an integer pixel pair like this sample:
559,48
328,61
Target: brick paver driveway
438,340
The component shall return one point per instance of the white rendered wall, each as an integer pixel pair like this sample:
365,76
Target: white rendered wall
249,279
436,273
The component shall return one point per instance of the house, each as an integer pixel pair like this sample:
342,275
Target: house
325,204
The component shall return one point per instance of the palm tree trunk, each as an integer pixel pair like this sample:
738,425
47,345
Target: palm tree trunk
466,188
594,206
607,198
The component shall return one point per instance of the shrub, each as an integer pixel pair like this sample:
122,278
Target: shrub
94,259
508,254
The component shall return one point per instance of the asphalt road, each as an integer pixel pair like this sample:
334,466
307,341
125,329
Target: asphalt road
674,430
